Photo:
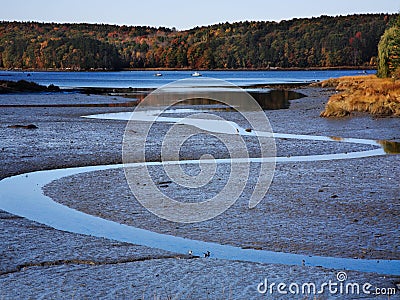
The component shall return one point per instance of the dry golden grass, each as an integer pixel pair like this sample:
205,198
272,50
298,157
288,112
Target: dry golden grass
363,94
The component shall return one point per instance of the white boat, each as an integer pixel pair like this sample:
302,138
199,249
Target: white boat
158,74
196,74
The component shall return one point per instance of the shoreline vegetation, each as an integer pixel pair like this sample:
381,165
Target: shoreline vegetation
338,68
378,94
297,43
370,94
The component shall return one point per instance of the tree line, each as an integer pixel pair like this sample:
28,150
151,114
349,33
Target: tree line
298,43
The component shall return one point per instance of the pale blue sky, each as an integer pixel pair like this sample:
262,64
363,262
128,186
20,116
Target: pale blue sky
184,14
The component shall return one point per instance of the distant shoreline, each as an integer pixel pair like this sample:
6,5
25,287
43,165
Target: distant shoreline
191,69
23,86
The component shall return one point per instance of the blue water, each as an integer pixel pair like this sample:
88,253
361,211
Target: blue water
146,79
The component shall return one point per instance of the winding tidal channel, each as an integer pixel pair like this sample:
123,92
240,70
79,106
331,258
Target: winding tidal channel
22,195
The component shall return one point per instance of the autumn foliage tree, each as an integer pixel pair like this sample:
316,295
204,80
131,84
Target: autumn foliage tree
299,43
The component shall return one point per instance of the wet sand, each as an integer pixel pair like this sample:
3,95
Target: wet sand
345,208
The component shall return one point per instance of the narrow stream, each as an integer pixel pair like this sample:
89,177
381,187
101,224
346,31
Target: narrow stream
22,195
228,127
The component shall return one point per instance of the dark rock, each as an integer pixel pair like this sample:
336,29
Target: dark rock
25,86
53,88
29,126
164,182
207,254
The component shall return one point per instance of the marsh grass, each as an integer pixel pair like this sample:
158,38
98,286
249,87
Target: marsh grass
380,97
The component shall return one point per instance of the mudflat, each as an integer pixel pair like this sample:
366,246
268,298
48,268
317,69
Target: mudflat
344,208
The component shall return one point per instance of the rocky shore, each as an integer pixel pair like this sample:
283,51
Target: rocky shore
25,86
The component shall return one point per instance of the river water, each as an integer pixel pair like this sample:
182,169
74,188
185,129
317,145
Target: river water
147,79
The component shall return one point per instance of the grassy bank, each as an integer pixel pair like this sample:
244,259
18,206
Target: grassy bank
380,97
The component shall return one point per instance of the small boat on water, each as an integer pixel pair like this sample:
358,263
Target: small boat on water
158,74
196,74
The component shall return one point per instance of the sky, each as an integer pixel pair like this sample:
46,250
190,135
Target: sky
184,14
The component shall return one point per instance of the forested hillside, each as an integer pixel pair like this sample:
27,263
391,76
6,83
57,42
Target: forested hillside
303,43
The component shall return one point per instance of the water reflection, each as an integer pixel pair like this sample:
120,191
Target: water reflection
275,99
266,98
